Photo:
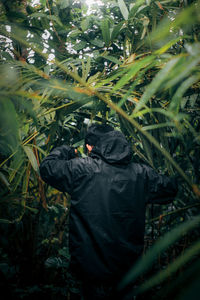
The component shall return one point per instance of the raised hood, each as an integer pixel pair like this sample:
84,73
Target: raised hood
113,148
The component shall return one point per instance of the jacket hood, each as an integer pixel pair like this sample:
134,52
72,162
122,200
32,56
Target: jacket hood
113,147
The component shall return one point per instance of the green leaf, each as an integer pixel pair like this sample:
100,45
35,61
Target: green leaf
56,19
85,24
133,71
4,180
136,7
4,221
97,42
9,125
193,49
31,156
187,16
86,68
6,55
74,33
183,259
123,9
116,30
80,46
147,149
164,48
118,74
38,15
105,28
113,59
157,126
64,4
157,81
176,100
183,70
168,239
18,178
16,166
164,112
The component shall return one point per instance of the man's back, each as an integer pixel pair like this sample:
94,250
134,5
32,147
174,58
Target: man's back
108,197
107,217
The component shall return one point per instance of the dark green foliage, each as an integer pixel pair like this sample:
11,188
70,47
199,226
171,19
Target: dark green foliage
135,66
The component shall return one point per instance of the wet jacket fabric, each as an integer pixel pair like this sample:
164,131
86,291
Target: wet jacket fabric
108,198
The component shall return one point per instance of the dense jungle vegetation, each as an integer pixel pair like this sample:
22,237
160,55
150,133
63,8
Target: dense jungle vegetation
63,65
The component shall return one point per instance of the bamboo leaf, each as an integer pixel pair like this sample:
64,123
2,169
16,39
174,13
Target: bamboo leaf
186,16
5,221
157,81
38,15
172,42
113,59
116,30
148,150
137,66
176,100
105,28
86,69
123,9
157,126
146,261
31,156
162,111
136,7
16,164
97,42
120,72
18,178
4,180
172,268
183,71
106,100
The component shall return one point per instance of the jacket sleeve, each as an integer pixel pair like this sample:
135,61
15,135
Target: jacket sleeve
161,189
56,168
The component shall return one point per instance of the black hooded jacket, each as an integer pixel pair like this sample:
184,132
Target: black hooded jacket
108,198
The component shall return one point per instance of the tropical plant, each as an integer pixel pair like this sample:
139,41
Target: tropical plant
133,64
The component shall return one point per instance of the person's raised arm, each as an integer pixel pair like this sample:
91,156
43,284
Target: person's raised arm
161,189
56,168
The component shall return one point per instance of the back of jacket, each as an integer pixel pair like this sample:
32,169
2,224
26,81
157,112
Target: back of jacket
108,198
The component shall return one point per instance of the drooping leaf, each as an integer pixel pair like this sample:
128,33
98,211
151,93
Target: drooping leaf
157,81
132,71
177,98
169,44
167,26
123,9
183,70
146,262
171,269
31,156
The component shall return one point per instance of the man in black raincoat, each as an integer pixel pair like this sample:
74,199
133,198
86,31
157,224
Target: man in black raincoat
108,198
